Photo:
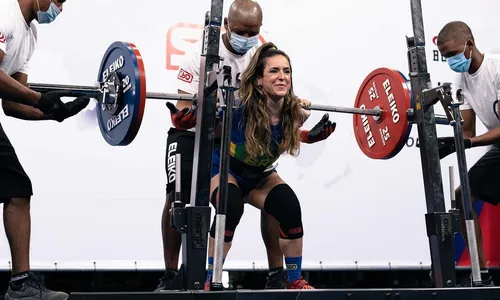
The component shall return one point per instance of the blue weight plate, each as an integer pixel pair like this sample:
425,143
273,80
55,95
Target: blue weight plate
120,126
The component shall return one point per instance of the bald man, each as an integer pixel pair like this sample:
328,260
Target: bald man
478,75
238,44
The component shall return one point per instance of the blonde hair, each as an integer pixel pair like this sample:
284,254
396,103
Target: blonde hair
253,101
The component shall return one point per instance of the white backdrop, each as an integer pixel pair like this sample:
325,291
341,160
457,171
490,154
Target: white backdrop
97,206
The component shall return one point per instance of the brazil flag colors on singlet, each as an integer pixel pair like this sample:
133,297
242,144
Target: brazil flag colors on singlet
237,147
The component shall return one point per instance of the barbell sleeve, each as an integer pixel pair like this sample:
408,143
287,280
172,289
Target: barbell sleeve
349,110
95,92
77,90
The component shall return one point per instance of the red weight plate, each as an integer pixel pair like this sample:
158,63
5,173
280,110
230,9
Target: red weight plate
142,91
383,138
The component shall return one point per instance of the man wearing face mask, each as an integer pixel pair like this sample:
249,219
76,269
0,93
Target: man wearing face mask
17,43
237,46
479,78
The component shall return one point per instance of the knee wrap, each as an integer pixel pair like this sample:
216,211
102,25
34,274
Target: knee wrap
283,204
234,210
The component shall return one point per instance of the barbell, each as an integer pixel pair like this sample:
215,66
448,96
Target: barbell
382,113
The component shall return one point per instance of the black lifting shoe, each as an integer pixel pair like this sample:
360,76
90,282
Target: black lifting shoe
32,288
170,282
277,280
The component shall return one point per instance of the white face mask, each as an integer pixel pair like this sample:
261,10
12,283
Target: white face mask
46,17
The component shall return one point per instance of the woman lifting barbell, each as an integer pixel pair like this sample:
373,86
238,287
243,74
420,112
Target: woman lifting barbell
266,123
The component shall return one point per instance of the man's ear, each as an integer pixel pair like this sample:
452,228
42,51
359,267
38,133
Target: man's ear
471,44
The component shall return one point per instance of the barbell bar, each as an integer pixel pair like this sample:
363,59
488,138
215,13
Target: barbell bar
96,91
350,110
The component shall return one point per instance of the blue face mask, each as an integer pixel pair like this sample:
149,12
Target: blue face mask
46,17
459,63
242,44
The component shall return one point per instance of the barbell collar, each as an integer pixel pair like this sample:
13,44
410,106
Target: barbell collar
348,110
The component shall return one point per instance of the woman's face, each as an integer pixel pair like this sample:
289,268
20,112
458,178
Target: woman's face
277,78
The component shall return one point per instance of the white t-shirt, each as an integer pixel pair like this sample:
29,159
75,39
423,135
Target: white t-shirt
481,90
189,71
17,39
188,77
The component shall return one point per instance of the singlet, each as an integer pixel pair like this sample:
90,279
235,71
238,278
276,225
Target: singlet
237,146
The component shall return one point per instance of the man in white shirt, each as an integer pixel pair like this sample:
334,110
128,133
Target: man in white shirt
237,47
17,43
479,78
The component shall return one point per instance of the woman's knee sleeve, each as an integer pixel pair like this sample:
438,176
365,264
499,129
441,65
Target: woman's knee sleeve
234,210
283,204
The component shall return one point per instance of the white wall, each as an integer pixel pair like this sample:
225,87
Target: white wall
103,204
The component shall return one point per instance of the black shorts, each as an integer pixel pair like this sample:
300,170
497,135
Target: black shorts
182,142
484,177
14,182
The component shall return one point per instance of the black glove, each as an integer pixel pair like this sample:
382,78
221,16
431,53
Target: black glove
68,109
51,101
446,145
319,132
